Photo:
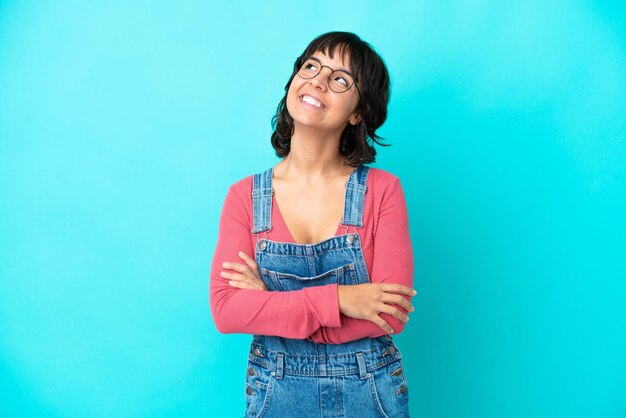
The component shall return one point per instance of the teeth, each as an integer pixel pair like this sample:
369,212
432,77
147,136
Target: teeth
310,100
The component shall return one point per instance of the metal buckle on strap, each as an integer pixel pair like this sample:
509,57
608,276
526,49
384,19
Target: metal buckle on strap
258,236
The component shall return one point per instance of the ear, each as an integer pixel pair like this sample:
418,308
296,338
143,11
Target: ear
355,119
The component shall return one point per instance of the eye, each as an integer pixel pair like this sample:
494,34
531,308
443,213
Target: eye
309,66
341,80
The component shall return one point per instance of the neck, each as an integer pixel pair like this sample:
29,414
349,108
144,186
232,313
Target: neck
314,155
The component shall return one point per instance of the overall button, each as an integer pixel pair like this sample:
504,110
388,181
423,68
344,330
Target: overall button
350,238
251,371
249,390
257,352
262,244
390,350
397,372
403,389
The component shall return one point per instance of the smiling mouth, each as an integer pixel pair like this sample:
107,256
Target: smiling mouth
312,101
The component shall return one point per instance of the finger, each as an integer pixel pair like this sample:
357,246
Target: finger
243,278
242,285
397,288
382,323
395,312
249,260
397,300
242,268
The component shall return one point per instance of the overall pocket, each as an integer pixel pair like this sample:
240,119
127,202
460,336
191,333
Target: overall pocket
285,281
258,392
390,390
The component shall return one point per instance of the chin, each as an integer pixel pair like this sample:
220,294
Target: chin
307,123
301,117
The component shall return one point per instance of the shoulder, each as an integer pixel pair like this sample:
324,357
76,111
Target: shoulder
381,179
239,192
384,188
243,186
238,201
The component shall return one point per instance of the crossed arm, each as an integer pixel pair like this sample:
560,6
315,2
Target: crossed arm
311,313
392,263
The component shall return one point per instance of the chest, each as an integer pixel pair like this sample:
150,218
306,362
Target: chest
311,214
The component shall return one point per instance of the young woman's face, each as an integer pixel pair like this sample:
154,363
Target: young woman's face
332,111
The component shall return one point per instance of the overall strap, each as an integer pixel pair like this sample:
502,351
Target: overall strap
262,201
355,197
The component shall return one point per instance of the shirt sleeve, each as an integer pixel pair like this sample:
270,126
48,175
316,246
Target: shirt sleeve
393,263
293,314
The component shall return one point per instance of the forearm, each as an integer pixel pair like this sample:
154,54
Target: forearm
364,315
352,329
295,314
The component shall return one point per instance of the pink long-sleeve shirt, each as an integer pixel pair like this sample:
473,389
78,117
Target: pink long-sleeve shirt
311,313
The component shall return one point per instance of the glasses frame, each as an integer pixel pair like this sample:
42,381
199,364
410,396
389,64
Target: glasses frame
332,70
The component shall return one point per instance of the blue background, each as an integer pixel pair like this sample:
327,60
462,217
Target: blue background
122,124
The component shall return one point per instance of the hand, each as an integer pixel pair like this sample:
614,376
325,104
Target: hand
248,276
365,301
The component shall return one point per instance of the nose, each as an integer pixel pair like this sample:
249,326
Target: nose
321,79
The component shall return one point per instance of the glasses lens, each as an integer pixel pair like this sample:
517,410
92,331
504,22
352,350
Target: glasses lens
340,81
309,69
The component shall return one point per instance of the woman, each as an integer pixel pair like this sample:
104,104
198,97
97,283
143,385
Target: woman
320,298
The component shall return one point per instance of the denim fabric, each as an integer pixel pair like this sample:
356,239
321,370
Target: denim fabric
299,378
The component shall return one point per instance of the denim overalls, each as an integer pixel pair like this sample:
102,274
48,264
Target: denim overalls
299,378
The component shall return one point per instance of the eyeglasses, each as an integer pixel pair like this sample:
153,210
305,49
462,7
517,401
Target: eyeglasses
339,81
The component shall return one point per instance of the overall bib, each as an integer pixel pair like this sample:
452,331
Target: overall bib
300,378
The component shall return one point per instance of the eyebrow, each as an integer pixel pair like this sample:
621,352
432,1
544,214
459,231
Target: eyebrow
342,69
